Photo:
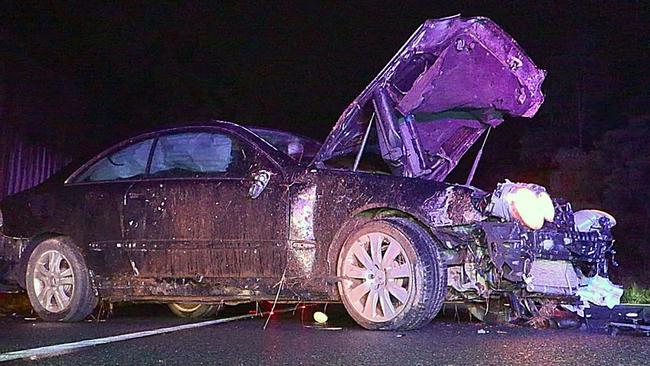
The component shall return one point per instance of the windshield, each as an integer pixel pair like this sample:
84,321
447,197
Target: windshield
299,148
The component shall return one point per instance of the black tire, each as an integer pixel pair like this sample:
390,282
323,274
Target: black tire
428,273
80,300
194,311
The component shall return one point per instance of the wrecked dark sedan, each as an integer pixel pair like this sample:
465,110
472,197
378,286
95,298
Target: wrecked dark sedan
216,213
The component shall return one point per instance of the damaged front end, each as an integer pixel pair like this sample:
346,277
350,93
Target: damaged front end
536,253
452,81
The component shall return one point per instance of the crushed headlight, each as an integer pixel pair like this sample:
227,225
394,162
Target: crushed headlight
528,203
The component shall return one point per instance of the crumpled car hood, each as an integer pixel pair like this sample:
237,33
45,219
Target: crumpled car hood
454,78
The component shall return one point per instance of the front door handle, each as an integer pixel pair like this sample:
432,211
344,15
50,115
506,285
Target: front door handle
260,181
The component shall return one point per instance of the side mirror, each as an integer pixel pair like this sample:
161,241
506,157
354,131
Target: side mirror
260,181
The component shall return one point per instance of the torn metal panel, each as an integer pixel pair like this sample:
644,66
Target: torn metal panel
508,251
452,206
467,278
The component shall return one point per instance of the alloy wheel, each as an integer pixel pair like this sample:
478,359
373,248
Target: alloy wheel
378,276
53,281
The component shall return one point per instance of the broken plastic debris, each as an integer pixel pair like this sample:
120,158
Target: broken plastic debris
600,291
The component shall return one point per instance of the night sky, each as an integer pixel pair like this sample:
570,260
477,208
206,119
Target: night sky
123,69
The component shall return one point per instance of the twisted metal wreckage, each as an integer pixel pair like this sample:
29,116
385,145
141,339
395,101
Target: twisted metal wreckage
452,81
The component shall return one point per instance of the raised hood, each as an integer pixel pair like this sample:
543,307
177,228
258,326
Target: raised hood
454,78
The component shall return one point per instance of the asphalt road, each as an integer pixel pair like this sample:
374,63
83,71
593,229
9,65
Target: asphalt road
449,340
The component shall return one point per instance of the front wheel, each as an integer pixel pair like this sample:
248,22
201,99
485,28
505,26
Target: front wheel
393,277
58,282
195,311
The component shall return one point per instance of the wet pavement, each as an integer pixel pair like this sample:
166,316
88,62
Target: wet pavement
451,339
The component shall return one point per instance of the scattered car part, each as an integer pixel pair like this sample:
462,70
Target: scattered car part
320,317
600,291
630,319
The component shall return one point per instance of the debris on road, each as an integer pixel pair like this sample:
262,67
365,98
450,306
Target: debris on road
320,317
321,327
630,319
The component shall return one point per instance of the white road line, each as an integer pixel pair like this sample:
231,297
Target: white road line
57,349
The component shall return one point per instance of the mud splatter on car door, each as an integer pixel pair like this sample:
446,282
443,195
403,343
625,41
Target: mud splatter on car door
193,216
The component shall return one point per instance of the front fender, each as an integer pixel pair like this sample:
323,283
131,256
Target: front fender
451,207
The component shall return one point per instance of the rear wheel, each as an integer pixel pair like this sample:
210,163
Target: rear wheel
194,310
393,276
58,282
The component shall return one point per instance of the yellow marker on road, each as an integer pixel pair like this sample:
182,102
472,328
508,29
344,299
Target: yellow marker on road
320,317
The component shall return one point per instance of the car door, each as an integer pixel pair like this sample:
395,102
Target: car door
194,217
98,190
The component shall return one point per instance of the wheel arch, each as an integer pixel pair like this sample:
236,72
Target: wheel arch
26,252
360,217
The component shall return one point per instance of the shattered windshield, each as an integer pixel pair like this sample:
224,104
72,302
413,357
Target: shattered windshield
299,148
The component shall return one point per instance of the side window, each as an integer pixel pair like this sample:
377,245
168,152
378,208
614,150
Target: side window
129,162
199,154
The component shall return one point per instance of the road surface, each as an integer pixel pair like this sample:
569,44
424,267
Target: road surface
451,339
